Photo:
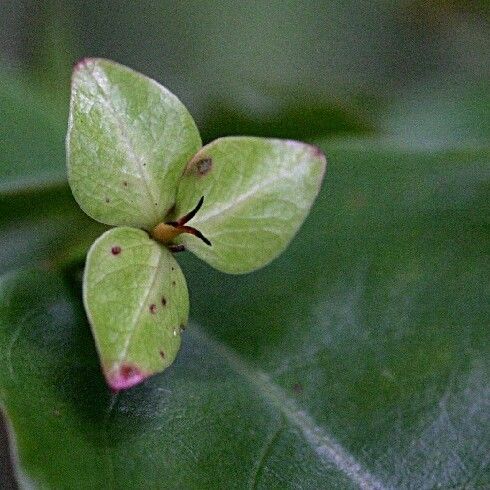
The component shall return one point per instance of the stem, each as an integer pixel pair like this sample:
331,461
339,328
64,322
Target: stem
166,232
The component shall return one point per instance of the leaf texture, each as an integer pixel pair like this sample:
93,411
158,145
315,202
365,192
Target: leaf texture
137,303
128,142
257,194
358,359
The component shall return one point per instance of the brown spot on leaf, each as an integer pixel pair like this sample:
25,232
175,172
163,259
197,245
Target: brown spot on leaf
176,248
174,283
153,309
164,301
107,200
125,184
126,371
162,354
297,388
116,250
203,165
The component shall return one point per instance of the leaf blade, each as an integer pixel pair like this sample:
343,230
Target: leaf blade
257,194
370,324
26,112
184,420
43,227
128,140
137,303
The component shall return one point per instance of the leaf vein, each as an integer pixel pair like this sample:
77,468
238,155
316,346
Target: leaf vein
242,199
326,448
100,80
144,300
266,453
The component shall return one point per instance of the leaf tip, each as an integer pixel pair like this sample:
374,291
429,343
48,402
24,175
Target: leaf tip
317,152
125,376
82,63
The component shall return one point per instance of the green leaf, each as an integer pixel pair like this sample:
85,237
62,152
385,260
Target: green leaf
358,359
31,136
257,194
43,227
39,220
128,142
136,300
170,432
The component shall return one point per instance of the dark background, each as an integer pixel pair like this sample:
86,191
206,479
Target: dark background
414,71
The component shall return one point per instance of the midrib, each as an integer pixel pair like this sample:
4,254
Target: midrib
324,445
127,141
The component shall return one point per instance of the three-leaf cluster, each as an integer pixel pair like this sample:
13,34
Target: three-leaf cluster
136,162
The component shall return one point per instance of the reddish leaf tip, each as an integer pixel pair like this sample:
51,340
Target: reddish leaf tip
317,151
82,63
124,377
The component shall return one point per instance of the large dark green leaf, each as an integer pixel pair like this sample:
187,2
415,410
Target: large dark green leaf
39,219
32,133
357,359
44,226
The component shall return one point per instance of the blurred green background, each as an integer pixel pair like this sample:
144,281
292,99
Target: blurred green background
413,74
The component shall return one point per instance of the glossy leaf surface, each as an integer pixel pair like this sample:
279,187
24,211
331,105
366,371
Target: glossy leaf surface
43,227
128,142
358,359
32,130
137,303
40,223
257,193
